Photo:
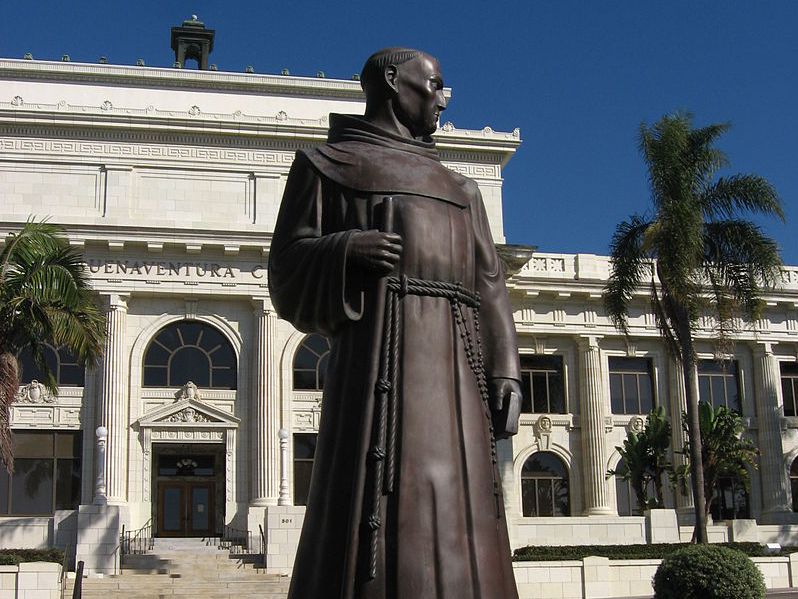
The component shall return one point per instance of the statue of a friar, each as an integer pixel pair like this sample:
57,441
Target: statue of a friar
388,253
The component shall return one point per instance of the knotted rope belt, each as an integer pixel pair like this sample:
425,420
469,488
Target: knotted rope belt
383,452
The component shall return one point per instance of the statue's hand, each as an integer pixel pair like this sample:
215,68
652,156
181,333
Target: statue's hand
505,404
375,251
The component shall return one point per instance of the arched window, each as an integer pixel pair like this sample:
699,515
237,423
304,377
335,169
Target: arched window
794,484
625,494
544,486
190,351
310,363
60,361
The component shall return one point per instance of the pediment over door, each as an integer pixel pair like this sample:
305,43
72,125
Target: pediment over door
189,413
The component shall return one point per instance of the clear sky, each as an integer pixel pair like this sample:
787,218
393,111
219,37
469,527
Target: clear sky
577,78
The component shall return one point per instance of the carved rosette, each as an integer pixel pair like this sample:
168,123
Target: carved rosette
34,392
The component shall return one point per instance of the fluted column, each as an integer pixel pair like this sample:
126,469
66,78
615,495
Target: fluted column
592,412
265,426
113,412
678,406
773,473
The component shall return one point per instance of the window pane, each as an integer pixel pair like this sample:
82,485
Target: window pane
154,376
224,378
626,364
33,444
704,389
718,391
304,446
323,370
732,394
168,337
67,484
305,359
545,501
305,379
526,390
540,395
630,391
622,495
71,376
302,472
317,344
528,497
616,394
189,364
32,486
793,485
711,367
68,445
556,393
646,393
561,502
212,338
190,332
156,355
787,396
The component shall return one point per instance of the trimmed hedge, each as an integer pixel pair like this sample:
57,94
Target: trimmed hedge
651,551
12,557
708,572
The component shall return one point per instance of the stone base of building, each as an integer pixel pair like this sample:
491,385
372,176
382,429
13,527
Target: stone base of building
98,535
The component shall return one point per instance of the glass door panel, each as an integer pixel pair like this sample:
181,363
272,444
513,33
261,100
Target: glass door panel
172,510
200,508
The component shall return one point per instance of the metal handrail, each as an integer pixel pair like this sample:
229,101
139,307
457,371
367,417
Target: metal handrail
262,544
77,590
135,542
64,570
235,537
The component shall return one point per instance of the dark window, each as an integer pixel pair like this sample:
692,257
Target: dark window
542,385
625,495
730,501
718,383
186,465
304,451
544,486
60,361
789,387
310,363
47,473
631,385
190,351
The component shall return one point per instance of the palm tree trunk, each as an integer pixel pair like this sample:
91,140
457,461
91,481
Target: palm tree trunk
9,384
694,432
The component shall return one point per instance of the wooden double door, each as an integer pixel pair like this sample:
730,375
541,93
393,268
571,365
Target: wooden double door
185,509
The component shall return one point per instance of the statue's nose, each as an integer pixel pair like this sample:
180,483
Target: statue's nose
442,102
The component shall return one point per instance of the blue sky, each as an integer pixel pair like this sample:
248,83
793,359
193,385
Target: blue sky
577,78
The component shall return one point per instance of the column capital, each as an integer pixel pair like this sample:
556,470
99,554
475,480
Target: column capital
588,342
262,305
763,347
115,301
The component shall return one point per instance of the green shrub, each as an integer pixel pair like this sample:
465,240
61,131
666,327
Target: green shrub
708,572
650,551
12,557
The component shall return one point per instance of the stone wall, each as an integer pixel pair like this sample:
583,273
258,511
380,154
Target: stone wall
32,580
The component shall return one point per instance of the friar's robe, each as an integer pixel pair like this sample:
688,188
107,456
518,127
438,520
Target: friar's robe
443,532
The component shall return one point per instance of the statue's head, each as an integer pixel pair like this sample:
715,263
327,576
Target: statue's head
411,82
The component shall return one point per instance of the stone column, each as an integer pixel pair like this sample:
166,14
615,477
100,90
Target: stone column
265,411
773,473
685,506
592,416
285,493
113,412
100,488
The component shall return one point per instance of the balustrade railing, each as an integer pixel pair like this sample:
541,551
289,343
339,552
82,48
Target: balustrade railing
235,540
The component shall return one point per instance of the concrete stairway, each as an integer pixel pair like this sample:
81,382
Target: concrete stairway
186,568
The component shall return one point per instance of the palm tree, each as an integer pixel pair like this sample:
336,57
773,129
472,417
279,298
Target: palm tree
724,453
44,298
645,459
695,254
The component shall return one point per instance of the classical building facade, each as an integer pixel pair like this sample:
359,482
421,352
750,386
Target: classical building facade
169,181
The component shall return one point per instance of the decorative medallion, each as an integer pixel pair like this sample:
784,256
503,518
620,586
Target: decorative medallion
636,425
544,424
34,392
188,415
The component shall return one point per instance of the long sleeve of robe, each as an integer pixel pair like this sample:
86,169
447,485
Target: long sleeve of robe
443,532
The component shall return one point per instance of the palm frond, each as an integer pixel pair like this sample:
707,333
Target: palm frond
9,383
728,196
629,267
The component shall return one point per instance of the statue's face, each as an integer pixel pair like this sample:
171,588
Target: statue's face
419,99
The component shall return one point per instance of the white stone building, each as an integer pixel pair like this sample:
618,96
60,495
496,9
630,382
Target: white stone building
170,180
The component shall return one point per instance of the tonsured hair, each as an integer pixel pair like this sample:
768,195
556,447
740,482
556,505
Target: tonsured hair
376,63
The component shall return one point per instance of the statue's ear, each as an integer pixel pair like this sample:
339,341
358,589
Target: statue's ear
391,73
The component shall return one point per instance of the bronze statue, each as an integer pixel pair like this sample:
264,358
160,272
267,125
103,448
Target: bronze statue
389,254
